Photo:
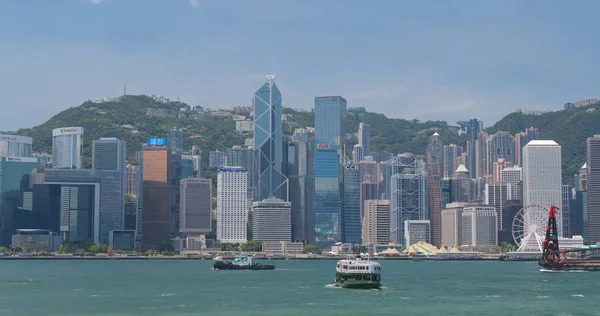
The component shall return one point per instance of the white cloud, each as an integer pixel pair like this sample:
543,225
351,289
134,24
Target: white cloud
95,1
195,3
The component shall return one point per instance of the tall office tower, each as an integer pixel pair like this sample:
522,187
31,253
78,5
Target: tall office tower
271,221
357,154
175,140
328,213
351,225
301,173
232,205
270,180
479,226
15,146
67,147
376,222
450,153
461,185
330,121
408,191
497,168
434,186
521,139
583,177
496,196
593,189
542,176
330,138
195,206
415,231
567,197
139,224
157,177
217,159
475,127
242,157
131,180
500,145
513,177
111,154
12,171
481,156
364,138
76,212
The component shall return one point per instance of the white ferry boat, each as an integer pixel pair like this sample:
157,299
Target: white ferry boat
357,273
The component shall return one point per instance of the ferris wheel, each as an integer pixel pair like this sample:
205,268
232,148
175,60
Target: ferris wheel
529,228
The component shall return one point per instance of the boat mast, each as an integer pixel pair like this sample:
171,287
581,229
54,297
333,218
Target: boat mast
551,251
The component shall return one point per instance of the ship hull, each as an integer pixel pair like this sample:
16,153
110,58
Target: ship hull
229,266
362,281
571,265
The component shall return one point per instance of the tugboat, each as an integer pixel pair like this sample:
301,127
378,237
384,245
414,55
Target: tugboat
241,262
554,259
356,273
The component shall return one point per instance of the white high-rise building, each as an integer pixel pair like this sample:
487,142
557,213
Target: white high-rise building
232,204
542,176
67,147
15,146
513,176
272,220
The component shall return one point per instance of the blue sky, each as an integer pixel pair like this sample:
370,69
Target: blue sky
448,60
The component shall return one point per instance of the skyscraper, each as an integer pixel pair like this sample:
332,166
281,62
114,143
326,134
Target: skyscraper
111,154
330,121
268,146
217,159
271,221
358,154
364,138
376,222
351,232
434,186
500,145
67,147
175,140
593,189
481,156
521,139
15,146
242,157
513,177
542,176
330,139
301,178
450,153
157,193
195,206
232,205
328,213
475,127
408,191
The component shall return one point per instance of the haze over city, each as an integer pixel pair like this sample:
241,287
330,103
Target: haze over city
446,61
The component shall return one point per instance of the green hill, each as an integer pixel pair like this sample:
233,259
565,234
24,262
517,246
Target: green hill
569,128
126,118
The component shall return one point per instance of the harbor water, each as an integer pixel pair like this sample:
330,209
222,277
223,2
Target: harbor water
190,287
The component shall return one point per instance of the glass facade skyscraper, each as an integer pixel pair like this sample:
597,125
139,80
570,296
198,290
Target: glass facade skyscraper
15,146
351,207
327,196
330,120
67,147
268,147
175,140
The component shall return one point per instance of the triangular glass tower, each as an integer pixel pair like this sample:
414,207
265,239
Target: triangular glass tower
270,181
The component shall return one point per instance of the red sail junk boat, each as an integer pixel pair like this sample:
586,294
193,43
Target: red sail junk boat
585,258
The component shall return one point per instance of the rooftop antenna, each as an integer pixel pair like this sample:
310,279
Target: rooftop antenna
125,89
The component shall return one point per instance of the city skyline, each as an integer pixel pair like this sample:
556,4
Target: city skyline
478,64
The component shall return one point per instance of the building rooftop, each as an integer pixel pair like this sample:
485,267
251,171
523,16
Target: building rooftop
462,168
542,143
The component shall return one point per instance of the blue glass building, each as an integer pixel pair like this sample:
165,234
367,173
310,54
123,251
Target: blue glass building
327,196
330,120
352,226
268,147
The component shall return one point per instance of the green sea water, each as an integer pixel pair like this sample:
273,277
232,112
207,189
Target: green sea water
156,287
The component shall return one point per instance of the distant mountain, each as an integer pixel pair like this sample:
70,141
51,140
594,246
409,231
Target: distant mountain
569,128
127,117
